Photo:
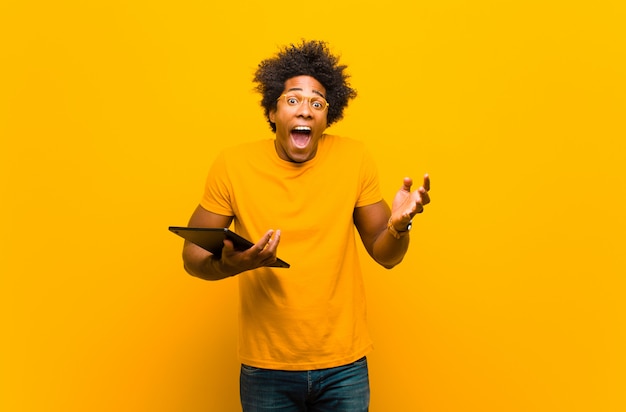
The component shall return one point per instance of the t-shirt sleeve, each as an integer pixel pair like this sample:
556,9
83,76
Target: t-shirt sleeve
217,189
370,188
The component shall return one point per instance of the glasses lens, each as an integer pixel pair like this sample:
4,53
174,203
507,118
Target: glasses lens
317,103
293,100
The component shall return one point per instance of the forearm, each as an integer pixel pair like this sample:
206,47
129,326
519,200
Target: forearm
204,265
389,246
389,251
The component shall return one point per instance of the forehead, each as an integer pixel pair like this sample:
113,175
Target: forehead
306,84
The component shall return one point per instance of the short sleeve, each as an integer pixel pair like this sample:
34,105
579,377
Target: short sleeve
217,197
369,184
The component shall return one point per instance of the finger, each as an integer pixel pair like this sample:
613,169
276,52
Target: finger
426,182
272,244
418,206
229,246
263,242
420,198
407,183
405,218
425,198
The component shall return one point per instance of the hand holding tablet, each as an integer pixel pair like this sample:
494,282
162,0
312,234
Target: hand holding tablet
212,240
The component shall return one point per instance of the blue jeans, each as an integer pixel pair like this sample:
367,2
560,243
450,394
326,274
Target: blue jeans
341,389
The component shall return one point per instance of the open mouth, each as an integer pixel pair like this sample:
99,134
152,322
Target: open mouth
301,135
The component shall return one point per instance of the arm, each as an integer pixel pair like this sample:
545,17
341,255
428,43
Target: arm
372,223
203,264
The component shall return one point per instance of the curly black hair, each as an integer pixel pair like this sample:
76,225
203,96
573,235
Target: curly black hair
309,58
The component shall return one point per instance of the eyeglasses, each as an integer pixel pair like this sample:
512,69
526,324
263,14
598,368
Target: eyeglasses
317,103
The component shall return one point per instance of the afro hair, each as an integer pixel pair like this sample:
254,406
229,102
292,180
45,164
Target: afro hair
309,58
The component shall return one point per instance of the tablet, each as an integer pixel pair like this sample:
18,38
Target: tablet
212,239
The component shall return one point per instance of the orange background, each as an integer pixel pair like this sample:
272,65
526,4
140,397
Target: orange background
512,295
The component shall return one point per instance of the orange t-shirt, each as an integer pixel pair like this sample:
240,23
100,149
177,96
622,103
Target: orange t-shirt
312,315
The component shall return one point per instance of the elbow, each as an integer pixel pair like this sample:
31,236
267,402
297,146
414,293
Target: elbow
389,264
206,269
197,274
390,255
188,270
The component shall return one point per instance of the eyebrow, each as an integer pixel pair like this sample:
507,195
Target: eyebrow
301,90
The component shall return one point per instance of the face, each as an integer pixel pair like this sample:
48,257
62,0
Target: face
299,126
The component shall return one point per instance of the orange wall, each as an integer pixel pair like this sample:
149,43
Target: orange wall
511,298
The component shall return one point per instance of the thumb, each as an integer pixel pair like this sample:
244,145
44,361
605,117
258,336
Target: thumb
229,246
407,183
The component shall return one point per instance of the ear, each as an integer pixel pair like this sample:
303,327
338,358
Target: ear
272,115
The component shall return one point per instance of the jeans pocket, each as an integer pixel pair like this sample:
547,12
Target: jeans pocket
360,362
249,370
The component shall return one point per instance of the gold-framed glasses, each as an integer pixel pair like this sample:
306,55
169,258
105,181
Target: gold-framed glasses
317,103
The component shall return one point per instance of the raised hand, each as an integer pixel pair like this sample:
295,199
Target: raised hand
407,203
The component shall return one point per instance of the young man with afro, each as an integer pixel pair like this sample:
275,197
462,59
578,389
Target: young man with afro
302,331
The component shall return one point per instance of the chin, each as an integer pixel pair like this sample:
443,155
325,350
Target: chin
299,159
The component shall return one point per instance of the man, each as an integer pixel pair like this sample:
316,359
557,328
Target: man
303,335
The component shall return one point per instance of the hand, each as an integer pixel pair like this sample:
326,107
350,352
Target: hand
263,253
407,204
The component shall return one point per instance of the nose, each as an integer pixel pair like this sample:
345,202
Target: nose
304,109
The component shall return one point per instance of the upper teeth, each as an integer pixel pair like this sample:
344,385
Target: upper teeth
303,128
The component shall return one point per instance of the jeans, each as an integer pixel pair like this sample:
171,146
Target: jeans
341,389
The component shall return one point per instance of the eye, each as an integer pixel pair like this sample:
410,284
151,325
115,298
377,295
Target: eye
292,100
317,104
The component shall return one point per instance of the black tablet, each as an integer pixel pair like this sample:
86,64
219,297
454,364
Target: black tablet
212,239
